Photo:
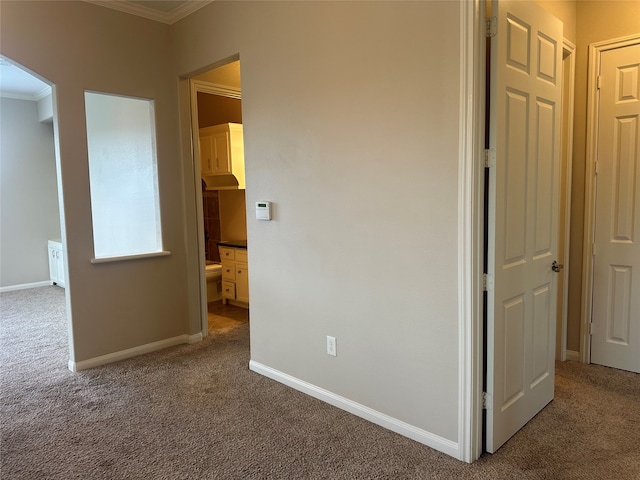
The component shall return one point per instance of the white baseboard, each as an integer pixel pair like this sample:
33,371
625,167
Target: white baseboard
419,435
24,286
133,352
195,338
573,356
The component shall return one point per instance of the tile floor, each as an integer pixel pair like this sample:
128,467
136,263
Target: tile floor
223,317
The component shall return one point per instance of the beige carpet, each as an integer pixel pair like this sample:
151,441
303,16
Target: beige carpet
197,412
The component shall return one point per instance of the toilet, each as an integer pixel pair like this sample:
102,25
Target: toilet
213,274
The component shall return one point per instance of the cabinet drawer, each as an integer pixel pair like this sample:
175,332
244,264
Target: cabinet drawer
229,271
241,256
228,290
227,253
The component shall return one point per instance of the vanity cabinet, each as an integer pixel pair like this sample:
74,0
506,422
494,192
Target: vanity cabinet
235,275
56,263
242,276
222,151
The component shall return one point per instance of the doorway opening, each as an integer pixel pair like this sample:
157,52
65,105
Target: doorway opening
218,149
32,239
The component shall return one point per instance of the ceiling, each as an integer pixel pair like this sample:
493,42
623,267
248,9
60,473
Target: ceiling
15,82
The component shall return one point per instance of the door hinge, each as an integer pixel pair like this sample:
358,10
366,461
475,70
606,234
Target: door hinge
596,167
489,158
593,249
492,27
599,82
487,401
487,282
590,328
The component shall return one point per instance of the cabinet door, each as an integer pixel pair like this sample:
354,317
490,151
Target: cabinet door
227,253
222,157
228,290
228,271
242,282
206,156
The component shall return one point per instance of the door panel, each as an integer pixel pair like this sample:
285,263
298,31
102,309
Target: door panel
523,202
615,340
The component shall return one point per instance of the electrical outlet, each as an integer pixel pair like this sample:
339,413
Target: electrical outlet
332,348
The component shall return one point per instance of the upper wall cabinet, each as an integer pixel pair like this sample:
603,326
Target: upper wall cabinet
222,156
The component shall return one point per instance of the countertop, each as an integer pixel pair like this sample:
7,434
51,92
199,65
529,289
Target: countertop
233,243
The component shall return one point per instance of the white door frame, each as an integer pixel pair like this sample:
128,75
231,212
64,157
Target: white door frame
471,229
595,51
568,52
196,86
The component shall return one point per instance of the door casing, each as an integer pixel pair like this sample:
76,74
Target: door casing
595,51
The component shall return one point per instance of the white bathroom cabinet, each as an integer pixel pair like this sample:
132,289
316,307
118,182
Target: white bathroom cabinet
56,263
222,151
235,275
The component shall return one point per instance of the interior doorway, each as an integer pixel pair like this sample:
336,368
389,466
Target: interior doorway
33,249
217,136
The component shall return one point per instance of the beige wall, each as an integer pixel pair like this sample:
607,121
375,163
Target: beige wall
79,46
596,21
350,113
565,10
233,215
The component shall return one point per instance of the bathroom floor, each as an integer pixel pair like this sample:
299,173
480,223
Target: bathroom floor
223,317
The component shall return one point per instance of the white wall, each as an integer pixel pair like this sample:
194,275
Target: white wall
29,214
80,46
350,113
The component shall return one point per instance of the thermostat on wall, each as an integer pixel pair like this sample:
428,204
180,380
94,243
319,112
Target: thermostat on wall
263,210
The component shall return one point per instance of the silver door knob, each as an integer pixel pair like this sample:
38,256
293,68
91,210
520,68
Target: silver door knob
556,267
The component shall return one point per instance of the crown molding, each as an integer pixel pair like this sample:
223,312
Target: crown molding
187,8
216,89
31,97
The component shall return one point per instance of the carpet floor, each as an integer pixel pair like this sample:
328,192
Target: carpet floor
197,412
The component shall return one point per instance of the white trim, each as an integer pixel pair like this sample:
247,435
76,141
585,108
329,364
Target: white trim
573,356
124,258
132,352
419,435
24,286
570,49
187,8
595,50
216,89
45,92
196,338
469,236
194,88
30,97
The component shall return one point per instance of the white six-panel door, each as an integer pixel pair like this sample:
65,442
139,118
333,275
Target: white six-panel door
525,111
615,340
